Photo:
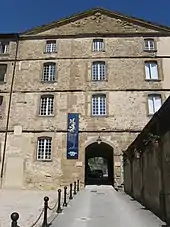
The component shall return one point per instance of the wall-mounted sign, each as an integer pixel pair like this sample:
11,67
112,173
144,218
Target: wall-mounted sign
72,136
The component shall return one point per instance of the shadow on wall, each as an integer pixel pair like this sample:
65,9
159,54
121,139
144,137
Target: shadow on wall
147,165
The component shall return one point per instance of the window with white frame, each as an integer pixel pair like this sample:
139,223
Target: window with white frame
51,46
98,45
151,70
46,105
3,69
99,105
49,72
4,47
44,148
149,44
154,103
98,70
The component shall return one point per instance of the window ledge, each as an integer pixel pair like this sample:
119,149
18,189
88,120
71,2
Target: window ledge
100,116
98,51
50,52
150,51
153,80
2,82
42,160
48,82
46,115
95,81
4,54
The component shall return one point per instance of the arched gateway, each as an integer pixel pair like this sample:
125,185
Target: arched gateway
99,164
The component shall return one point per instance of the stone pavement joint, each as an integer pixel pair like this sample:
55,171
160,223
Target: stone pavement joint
98,206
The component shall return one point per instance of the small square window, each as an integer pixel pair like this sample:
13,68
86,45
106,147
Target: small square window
151,71
46,105
98,71
98,45
4,47
149,44
154,103
44,149
49,72
99,105
51,46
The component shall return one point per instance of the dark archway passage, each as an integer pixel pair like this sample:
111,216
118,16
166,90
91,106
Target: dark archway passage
99,167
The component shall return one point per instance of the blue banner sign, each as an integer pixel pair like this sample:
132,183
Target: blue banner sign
72,136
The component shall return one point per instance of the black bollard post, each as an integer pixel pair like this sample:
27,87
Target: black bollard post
75,188
71,192
78,185
46,199
14,217
59,210
65,197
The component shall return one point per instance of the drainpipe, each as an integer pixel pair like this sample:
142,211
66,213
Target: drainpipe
9,108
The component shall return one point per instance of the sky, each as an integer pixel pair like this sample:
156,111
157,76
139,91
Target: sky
20,15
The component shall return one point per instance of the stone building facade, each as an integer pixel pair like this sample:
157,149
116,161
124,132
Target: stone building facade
120,63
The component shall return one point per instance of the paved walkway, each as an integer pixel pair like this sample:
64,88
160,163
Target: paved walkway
27,203
99,206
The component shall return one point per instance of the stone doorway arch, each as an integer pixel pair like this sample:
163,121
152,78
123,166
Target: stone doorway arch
99,164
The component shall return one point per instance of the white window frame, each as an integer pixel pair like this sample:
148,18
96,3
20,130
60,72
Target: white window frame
98,45
4,47
51,46
98,71
49,72
154,103
151,70
149,44
47,105
44,149
99,105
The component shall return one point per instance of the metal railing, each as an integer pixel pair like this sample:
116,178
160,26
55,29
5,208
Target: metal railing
73,190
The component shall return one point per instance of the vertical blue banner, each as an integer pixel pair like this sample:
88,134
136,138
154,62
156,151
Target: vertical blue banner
72,136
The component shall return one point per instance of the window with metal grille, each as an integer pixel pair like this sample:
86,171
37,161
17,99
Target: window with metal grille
51,46
99,105
154,103
44,149
98,45
3,69
149,44
4,47
98,71
151,70
46,106
49,72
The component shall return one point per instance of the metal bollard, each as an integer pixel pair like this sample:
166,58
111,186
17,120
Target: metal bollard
75,188
78,185
14,217
45,224
59,210
71,192
65,197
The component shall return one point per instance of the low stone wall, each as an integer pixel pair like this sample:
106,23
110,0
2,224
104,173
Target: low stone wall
147,165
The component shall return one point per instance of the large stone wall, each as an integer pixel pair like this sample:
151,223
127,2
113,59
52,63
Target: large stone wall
147,164
126,90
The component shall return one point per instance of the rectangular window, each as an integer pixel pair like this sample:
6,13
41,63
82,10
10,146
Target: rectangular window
154,103
46,108
51,46
98,71
4,47
98,45
3,69
44,149
49,72
99,105
151,71
149,44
